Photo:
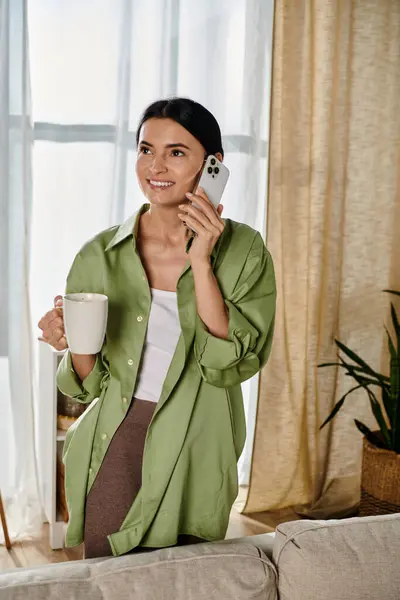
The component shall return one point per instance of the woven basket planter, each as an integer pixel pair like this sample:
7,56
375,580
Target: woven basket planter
380,481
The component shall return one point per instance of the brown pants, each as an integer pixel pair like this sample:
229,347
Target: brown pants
118,481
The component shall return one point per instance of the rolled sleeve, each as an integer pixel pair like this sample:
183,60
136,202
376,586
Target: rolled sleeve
83,276
228,362
218,353
69,383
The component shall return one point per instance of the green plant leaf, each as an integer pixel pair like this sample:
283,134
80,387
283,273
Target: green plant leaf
355,358
366,377
395,376
388,404
370,435
370,381
339,405
395,398
396,293
354,371
385,392
344,365
378,414
392,349
396,323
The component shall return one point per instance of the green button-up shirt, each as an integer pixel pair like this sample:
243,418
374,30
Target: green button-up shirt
197,433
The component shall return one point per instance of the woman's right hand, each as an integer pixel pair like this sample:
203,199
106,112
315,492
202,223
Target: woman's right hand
52,326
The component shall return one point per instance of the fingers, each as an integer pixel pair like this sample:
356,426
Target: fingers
58,301
202,194
61,344
192,214
52,326
57,340
58,344
202,201
56,331
55,314
200,224
195,224
195,213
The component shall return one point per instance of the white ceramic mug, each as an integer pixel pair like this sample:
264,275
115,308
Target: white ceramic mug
85,320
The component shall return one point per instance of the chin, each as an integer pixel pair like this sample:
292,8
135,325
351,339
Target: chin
164,199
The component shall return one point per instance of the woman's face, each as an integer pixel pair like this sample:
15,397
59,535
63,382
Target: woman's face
168,162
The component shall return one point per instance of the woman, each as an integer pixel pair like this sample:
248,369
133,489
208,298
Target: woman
152,462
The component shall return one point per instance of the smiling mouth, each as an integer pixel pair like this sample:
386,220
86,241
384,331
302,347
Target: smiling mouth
160,185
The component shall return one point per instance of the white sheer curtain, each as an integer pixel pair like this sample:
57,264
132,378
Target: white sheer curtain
95,65
18,473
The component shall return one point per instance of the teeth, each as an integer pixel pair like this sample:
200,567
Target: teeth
161,183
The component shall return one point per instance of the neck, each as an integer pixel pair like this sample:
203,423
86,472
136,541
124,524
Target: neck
164,224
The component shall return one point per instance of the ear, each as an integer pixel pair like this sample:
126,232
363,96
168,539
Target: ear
219,156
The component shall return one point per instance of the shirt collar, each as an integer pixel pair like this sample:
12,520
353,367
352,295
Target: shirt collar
128,229
131,226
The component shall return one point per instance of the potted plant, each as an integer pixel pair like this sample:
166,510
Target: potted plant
380,479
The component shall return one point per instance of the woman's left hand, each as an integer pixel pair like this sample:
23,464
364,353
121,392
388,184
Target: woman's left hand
207,223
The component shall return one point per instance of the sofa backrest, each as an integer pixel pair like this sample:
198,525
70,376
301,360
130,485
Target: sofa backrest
234,571
351,559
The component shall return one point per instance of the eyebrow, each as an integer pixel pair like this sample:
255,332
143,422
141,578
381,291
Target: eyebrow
175,145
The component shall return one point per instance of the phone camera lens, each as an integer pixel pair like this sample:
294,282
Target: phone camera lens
213,162
216,170
210,170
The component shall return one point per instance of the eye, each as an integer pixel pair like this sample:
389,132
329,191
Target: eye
177,153
144,150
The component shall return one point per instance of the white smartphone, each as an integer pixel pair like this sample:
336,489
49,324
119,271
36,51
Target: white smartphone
213,180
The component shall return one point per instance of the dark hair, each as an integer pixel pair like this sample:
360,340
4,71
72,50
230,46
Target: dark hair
192,116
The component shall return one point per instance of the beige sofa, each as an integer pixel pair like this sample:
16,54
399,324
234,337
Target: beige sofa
354,559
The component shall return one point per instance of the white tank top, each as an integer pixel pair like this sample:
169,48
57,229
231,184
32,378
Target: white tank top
163,331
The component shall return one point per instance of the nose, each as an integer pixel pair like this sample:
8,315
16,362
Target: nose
158,164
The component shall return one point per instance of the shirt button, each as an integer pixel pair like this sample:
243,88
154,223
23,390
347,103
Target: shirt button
144,277
139,318
124,400
90,470
130,362
103,436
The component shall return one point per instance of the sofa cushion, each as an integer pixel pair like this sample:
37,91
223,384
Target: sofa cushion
263,541
356,559
200,572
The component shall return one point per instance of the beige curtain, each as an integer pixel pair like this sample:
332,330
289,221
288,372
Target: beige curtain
334,233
